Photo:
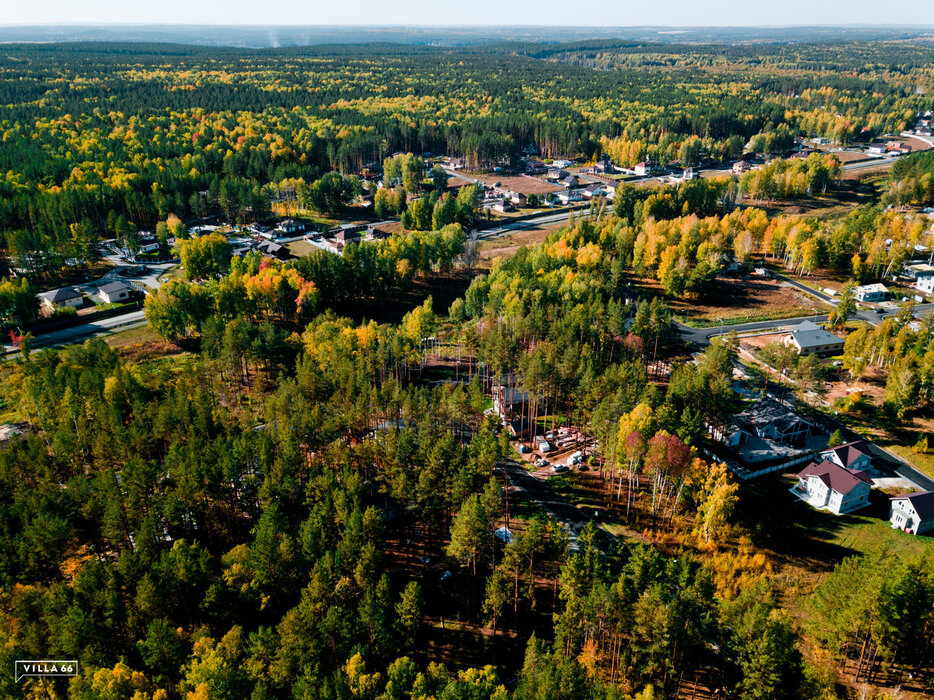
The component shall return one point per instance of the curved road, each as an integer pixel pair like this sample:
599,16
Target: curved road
74,334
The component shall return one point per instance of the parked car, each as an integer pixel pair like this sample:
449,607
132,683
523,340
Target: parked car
558,468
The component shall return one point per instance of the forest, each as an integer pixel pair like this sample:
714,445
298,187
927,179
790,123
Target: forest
278,496
98,139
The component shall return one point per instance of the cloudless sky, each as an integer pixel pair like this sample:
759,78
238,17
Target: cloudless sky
460,12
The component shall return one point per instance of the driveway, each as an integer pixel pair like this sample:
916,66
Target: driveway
557,506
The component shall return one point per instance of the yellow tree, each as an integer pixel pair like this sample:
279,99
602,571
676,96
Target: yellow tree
716,499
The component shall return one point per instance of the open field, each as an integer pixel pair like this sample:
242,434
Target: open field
505,246
851,156
853,190
734,300
517,183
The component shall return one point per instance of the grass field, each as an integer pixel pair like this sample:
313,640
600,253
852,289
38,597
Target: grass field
733,300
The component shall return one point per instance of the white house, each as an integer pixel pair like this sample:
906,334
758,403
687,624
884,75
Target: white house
917,271
913,513
809,338
569,196
61,298
852,455
112,292
871,292
925,285
642,169
828,486
290,226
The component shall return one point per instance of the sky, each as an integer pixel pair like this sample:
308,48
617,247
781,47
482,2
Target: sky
445,12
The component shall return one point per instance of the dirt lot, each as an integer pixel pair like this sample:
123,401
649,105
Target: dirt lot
916,144
757,342
742,300
819,279
850,157
507,245
886,430
852,191
518,183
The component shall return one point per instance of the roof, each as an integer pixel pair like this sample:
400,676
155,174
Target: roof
513,395
921,268
850,452
767,411
63,294
270,248
112,287
875,287
922,502
810,335
834,476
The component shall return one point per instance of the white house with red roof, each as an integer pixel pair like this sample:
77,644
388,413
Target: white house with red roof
828,486
851,455
913,513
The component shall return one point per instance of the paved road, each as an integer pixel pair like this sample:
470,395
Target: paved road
702,336
526,224
65,336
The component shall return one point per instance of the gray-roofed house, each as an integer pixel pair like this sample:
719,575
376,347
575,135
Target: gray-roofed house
913,513
61,298
871,292
809,338
571,181
115,291
829,486
268,249
769,420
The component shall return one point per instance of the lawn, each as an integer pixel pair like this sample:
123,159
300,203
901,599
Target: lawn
805,544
